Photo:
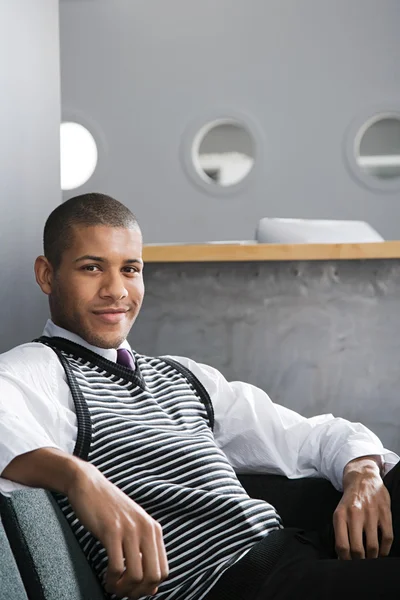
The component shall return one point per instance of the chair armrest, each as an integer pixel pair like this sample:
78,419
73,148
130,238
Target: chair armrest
11,585
49,558
307,503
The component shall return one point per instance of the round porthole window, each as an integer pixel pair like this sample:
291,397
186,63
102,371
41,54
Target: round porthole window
223,152
78,154
377,147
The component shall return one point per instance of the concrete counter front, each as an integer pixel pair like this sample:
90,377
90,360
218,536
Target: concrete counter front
316,326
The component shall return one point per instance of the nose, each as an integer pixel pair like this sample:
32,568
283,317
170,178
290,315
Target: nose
113,287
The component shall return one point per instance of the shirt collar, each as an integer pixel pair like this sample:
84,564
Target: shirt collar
53,330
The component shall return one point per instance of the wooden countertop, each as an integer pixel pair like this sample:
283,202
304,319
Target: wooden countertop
268,252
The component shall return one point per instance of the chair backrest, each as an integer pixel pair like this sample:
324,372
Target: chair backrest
49,558
307,503
11,586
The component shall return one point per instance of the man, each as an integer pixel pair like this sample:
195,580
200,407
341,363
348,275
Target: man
140,452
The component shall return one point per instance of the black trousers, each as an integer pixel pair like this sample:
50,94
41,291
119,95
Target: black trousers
309,568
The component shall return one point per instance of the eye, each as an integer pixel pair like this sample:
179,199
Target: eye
131,270
90,268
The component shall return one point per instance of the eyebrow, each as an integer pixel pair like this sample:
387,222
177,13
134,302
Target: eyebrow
129,261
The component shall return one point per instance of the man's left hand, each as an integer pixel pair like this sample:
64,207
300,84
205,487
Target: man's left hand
363,512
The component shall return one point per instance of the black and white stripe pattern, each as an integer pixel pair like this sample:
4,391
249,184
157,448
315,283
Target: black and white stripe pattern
151,436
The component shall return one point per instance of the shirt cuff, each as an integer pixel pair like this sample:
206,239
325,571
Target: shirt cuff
6,485
356,449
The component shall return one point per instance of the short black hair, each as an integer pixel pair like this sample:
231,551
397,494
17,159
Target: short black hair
86,210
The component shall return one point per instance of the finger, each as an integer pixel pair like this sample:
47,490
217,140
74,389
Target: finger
162,554
371,539
342,543
386,527
151,563
356,527
150,573
116,565
162,561
132,578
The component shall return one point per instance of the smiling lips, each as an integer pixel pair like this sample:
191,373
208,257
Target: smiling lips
111,315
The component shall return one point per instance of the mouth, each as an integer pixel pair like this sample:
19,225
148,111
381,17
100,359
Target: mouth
110,315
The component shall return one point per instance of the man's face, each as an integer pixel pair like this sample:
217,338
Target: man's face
98,289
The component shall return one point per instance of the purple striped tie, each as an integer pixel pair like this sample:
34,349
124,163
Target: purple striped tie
124,357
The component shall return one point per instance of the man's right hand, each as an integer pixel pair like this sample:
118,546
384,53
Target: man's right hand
137,561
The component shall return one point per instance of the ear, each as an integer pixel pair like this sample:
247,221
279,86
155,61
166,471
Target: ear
44,274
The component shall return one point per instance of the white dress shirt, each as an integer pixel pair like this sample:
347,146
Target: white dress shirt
257,436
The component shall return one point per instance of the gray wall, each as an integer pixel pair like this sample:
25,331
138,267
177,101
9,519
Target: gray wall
319,337
227,138
382,137
140,74
29,156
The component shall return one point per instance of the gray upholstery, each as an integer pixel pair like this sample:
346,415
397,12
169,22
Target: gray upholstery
49,558
11,586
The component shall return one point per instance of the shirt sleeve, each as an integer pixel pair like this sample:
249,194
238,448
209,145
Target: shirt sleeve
259,436
29,420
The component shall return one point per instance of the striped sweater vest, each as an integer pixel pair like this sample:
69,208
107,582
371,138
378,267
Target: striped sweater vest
149,431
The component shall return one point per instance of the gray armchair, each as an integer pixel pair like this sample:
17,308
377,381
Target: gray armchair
41,560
